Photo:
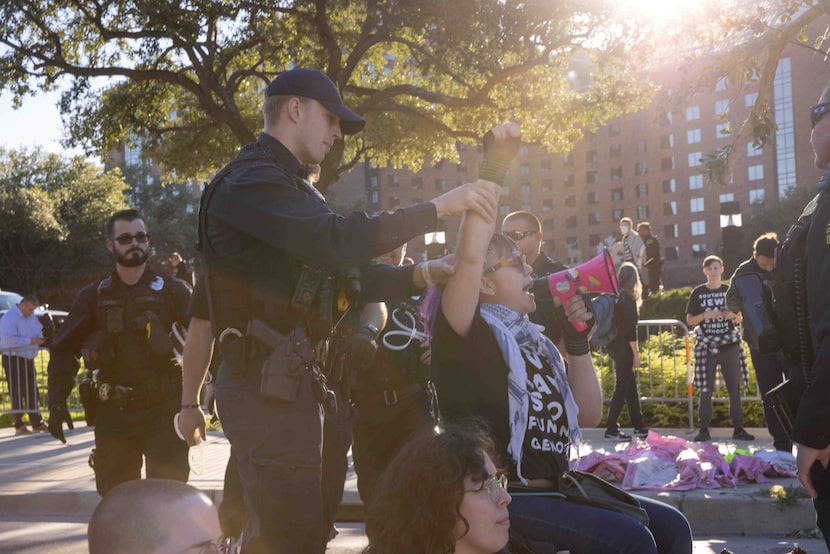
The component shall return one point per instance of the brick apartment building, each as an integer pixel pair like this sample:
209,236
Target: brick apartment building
643,165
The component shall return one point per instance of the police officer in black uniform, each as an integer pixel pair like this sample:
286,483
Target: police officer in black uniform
273,252
121,326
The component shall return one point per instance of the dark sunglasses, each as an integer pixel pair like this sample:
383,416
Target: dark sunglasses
516,260
519,235
817,112
127,239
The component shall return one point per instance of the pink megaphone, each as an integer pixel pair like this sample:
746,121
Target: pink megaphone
593,277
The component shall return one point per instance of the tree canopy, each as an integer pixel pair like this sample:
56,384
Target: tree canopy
52,227
425,74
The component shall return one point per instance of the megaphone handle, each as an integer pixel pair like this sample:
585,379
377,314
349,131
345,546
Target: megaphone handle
579,325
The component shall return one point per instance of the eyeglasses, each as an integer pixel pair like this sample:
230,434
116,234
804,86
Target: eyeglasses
817,112
493,486
127,238
212,547
519,235
517,260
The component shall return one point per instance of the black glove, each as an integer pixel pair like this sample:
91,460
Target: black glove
576,342
497,158
58,413
361,349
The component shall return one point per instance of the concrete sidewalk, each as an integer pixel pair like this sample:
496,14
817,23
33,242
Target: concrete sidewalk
39,475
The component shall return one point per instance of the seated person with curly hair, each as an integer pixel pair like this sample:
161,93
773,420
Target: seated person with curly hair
441,494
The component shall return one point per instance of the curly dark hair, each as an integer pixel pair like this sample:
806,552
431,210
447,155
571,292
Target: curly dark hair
418,499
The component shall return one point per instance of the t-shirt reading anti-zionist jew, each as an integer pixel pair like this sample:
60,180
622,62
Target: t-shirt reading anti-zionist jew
703,299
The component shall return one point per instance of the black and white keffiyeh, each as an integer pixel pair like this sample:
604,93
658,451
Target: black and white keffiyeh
516,334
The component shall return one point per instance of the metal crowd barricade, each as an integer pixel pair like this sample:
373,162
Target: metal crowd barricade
14,366
669,379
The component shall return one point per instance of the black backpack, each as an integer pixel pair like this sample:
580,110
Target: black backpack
604,307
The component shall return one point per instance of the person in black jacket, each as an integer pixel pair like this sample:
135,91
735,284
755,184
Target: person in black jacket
811,431
277,260
625,351
121,326
769,368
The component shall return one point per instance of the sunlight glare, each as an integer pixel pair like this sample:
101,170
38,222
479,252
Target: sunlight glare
661,11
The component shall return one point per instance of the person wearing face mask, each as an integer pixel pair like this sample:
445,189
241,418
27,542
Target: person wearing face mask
630,247
811,430
442,493
769,367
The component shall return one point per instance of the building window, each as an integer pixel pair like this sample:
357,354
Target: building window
672,253
570,223
699,250
441,185
667,141
374,197
616,214
504,191
569,180
698,228
641,168
639,125
751,150
570,201
696,205
616,173
593,218
670,231
545,164
640,147
547,185
523,150
720,85
591,156
722,130
524,169
615,151
547,205
695,159
721,108
756,172
568,160
642,190
616,194
373,181
392,180
692,113
667,164
642,212
695,182
548,224
692,136
670,208
726,197
614,129
504,209
669,186
749,99
593,240
592,197
525,188
417,183
590,177
462,165
756,196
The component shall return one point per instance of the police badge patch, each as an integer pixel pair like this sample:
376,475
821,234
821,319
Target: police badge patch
157,284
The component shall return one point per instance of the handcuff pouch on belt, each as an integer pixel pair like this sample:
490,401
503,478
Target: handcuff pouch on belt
88,391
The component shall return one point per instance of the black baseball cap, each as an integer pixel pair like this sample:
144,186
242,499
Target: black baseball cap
312,83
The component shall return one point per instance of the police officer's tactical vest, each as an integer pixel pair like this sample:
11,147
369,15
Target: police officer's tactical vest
135,324
789,286
255,282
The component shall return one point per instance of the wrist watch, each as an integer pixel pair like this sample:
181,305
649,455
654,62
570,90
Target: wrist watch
372,329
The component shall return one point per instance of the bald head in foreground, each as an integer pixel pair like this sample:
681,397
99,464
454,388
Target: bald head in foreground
153,516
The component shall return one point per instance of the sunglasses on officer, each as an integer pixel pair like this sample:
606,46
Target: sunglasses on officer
817,112
127,239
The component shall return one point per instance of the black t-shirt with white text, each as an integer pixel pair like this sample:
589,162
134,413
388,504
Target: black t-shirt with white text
703,299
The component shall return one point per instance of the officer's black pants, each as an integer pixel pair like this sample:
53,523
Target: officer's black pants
770,372
122,438
379,431
278,448
337,438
